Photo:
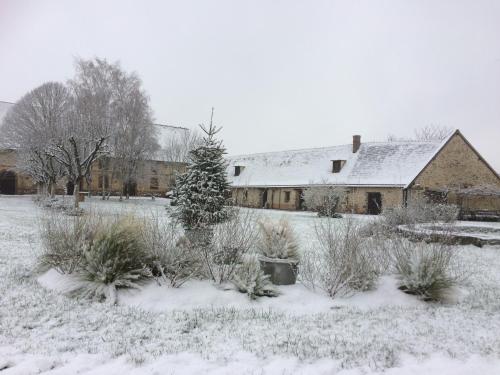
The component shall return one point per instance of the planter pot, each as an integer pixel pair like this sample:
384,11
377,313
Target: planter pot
281,271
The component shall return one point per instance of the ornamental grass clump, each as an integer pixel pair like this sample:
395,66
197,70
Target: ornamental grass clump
429,271
277,241
250,279
116,259
65,240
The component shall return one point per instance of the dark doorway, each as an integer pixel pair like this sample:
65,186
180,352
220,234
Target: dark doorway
7,182
70,188
374,203
130,188
300,199
264,199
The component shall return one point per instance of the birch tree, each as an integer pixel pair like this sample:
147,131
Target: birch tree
134,137
178,147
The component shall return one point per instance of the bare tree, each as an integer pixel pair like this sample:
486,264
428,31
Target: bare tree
134,137
432,133
31,126
177,147
82,139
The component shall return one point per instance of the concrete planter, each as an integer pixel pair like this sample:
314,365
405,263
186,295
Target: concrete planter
281,271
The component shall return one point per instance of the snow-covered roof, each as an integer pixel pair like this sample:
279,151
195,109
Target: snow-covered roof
374,164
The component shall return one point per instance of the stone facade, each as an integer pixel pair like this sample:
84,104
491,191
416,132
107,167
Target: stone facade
154,178
277,198
9,177
356,200
456,165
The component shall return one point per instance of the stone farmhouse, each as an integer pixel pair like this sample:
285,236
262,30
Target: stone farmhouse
375,175
155,177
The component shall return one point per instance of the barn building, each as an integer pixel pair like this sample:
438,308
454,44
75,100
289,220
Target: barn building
154,177
375,175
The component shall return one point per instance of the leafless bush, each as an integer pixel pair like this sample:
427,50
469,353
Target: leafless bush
230,241
277,240
325,200
172,257
426,270
64,241
342,263
420,211
250,279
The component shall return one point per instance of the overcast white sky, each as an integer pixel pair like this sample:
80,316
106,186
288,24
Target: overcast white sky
280,74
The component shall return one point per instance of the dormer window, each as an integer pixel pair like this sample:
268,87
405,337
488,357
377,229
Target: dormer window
337,165
238,169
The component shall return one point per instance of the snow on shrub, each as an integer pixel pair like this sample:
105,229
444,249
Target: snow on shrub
116,259
426,270
64,241
341,264
229,243
420,211
325,200
171,256
250,279
277,240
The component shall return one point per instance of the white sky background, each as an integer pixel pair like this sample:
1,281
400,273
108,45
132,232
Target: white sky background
280,74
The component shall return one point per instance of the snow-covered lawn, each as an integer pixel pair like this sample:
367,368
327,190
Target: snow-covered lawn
201,329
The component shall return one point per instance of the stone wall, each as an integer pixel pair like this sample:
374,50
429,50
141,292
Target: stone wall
457,165
24,184
356,199
277,198
155,177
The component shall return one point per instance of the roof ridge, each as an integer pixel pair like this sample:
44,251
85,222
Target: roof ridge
332,146
171,126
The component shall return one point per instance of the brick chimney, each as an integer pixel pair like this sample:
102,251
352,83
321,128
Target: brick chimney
356,143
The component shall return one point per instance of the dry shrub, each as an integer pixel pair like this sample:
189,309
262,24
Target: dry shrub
277,240
429,271
229,242
250,279
172,257
64,241
420,211
342,263
325,200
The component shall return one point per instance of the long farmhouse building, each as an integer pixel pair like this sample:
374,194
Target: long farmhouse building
375,175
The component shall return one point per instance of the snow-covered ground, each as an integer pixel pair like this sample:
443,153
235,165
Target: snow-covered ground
199,329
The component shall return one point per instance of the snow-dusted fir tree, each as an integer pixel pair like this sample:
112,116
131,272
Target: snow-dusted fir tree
201,193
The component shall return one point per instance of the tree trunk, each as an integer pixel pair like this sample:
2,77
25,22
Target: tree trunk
76,194
103,185
52,189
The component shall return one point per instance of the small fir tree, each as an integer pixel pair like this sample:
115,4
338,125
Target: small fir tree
201,193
